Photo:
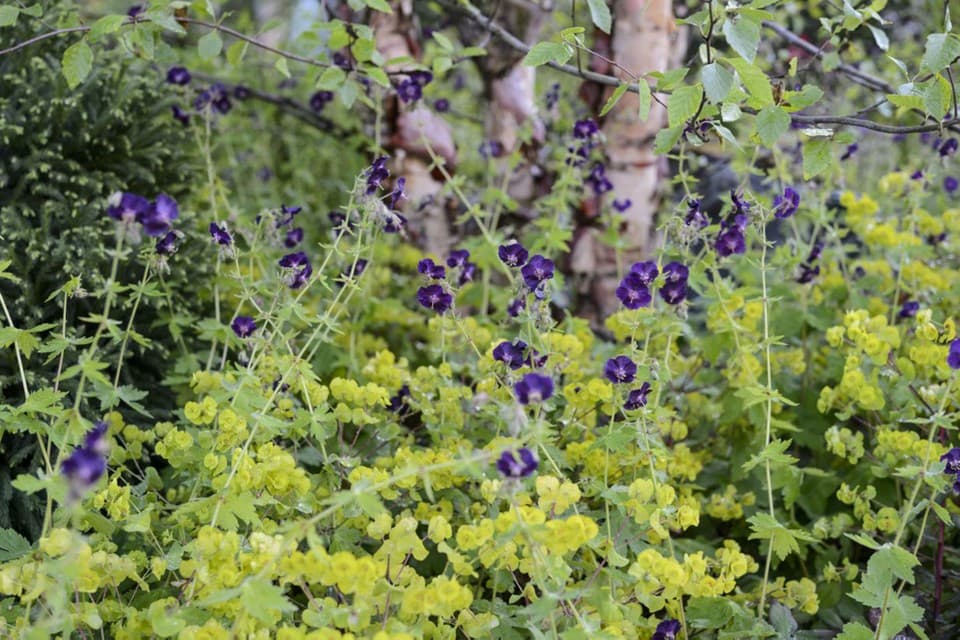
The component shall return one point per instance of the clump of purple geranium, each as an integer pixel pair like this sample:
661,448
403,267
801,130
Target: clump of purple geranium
952,460
519,466
155,218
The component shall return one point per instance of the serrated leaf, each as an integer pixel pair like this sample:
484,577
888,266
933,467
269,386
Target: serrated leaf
743,36
709,613
600,14
771,123
937,97
774,453
644,99
684,104
855,631
783,541
941,49
613,99
544,52
76,63
717,82
263,599
754,80
8,15
817,157
42,401
12,545
28,484
210,45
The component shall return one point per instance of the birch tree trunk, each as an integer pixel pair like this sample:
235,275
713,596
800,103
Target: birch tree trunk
416,132
645,39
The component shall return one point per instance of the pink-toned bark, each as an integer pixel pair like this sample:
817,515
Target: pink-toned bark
416,131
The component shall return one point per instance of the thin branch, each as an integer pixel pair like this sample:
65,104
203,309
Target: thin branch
42,37
863,123
859,76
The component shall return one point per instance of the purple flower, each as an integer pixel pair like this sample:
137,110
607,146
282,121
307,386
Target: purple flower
633,292
848,153
220,98
181,115
167,245
667,630
88,462
517,467
646,271
952,460
622,205
586,128
953,357
127,206
241,92
950,184
491,149
293,238
458,258
598,179
674,290
511,354
434,297
341,61
917,175
909,309
442,105
538,270
161,214
637,398
533,388
243,326
299,269
740,205
220,234
786,205
202,100
620,370
432,270
394,223
178,75
357,268
467,273
398,194
320,99
516,306
513,254
808,273
376,174
422,78
286,215
730,241
695,216
409,90
948,148
552,96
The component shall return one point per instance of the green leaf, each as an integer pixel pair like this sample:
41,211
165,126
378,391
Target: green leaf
666,139
645,99
443,41
544,52
12,545
859,538
783,541
281,66
43,401
807,96
8,15
614,98
684,104
717,82
743,35
774,452
77,63
880,37
940,51
783,621
378,5
771,123
106,25
29,484
379,76
909,101
331,79
600,14
754,80
262,599
709,613
209,46
235,53
817,157
937,97
855,631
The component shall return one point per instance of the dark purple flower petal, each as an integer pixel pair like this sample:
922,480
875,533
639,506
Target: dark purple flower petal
953,357
220,234
442,105
434,297
520,466
511,354
127,206
178,75
952,460
167,245
622,205
243,326
533,388
909,309
513,254
181,115
537,270
161,214
458,258
786,205
637,398
950,184
293,238
409,90
586,128
620,370
320,99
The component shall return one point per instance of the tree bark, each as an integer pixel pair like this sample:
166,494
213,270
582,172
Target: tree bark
645,39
